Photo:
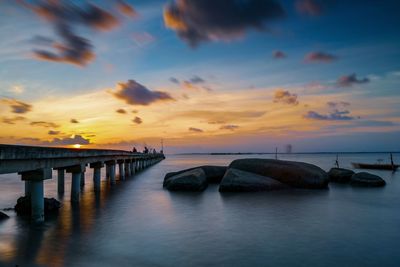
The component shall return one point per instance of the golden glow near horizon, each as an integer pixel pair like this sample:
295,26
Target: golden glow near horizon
203,118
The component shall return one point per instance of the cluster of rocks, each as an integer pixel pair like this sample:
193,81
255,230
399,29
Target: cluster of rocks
23,206
345,176
245,175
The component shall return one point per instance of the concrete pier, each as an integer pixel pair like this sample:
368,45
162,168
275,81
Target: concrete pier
35,164
60,181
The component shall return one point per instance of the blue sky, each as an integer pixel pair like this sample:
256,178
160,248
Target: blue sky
361,37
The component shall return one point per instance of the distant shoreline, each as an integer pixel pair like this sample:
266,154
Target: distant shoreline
283,153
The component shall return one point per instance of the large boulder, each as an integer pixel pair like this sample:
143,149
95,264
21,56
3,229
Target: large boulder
213,174
23,206
241,181
292,173
366,179
3,216
192,180
340,175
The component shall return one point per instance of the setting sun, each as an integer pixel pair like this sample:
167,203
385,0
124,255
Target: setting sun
77,146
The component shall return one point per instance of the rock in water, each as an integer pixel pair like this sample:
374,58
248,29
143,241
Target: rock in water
23,206
192,180
292,173
366,179
340,175
3,216
241,181
213,174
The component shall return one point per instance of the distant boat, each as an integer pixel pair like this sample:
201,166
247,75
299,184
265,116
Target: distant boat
377,166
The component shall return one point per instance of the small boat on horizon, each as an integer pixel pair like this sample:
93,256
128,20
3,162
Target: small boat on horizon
377,166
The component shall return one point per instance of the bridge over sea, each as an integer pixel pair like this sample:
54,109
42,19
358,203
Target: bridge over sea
35,164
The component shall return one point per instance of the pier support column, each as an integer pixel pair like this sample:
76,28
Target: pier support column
83,178
111,171
107,171
121,169
28,188
60,181
133,167
127,167
76,171
35,179
96,174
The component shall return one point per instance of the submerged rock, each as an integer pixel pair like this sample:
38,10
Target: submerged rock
367,179
292,173
23,206
241,181
192,180
213,174
3,216
340,175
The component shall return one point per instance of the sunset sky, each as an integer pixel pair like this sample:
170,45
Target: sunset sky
203,75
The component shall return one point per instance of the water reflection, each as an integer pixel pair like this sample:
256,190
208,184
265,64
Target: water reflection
137,223
50,243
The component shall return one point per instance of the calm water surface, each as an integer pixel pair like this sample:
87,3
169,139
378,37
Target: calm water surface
137,223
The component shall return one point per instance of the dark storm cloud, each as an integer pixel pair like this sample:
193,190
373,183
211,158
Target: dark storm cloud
121,111
309,7
335,115
134,93
77,139
74,121
174,80
199,21
44,124
285,97
230,127
350,80
332,104
196,130
278,54
16,106
126,9
63,16
319,57
12,120
137,120
51,132
196,80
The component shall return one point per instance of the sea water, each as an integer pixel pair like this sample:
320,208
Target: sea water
138,223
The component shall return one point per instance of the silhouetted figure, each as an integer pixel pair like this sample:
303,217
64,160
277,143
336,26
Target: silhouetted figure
134,150
146,150
154,151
